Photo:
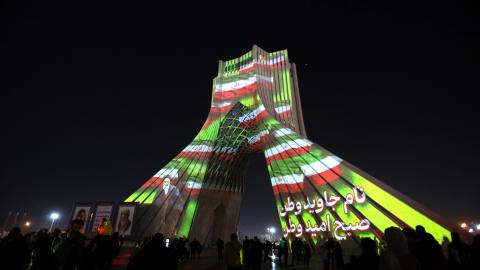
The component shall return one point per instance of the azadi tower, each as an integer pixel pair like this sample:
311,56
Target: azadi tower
256,108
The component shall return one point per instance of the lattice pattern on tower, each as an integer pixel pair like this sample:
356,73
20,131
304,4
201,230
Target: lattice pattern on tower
256,108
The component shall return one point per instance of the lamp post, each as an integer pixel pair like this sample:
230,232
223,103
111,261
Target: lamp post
271,230
53,216
27,225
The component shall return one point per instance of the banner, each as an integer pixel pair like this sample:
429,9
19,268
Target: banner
82,211
103,210
124,219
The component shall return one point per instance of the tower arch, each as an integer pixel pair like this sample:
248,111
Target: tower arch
256,108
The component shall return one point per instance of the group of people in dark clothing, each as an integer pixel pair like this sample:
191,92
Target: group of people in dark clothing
406,249
72,250
252,253
255,252
58,251
410,249
154,252
301,252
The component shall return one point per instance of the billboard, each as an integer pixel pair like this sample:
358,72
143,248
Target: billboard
124,219
83,212
102,210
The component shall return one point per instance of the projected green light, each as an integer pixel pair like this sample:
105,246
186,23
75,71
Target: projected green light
256,108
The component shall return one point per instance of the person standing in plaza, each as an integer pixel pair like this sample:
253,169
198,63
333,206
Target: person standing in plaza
220,247
233,250
283,251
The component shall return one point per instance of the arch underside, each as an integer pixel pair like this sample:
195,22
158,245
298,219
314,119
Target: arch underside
256,108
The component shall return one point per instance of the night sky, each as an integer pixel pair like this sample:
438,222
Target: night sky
96,98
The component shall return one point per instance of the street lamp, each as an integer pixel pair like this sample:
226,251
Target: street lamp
27,224
463,225
271,230
53,216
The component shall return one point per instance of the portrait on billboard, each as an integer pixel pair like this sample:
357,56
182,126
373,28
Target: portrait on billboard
82,212
124,220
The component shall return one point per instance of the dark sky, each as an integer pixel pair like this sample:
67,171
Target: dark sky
98,97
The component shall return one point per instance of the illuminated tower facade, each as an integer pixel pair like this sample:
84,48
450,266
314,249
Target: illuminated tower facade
256,108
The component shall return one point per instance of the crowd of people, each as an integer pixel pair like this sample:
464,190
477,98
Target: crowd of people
60,251
250,253
406,249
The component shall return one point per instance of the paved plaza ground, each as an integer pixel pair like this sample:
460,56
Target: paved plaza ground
209,260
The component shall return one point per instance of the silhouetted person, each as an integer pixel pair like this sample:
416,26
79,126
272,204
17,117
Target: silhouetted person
369,259
105,249
101,250
330,247
195,248
55,238
296,250
220,247
14,251
246,249
283,252
199,250
255,254
423,234
116,242
182,249
458,253
415,246
425,248
445,243
155,255
475,252
323,252
307,253
105,227
42,255
232,253
267,251
82,215
428,252
397,255
71,249
338,254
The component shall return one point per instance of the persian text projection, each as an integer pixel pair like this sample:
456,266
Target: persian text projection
318,206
